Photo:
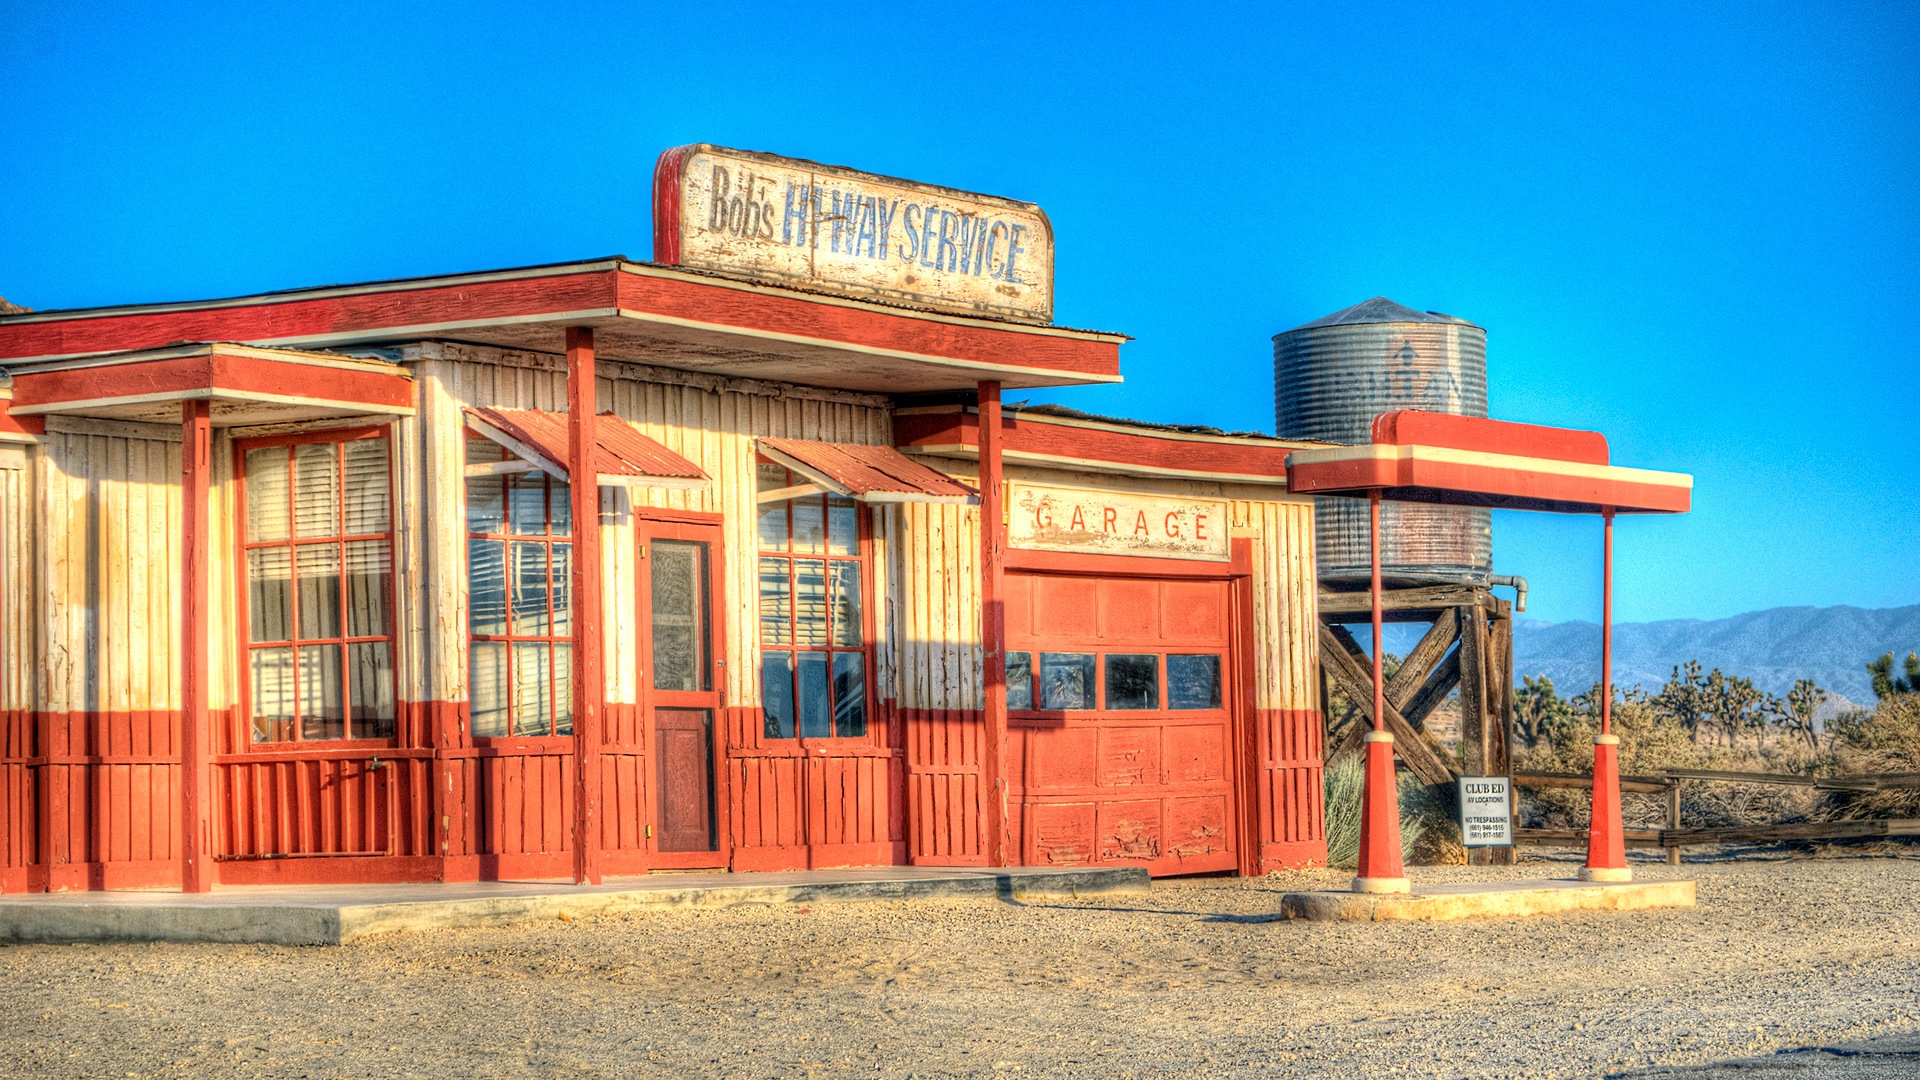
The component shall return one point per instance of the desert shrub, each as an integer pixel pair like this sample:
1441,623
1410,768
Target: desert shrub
1653,739
1429,835
1885,739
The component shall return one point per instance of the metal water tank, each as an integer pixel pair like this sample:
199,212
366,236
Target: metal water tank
1331,377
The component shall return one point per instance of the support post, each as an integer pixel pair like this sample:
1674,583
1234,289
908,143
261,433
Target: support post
1606,838
196,465
588,687
1673,821
993,623
1380,870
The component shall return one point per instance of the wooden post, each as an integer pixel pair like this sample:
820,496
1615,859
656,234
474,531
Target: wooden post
1673,821
993,623
196,465
588,688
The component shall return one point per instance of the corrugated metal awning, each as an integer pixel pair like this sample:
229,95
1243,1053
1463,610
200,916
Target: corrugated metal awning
867,473
1467,461
623,456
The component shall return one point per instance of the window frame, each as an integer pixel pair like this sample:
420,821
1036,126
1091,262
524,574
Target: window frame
244,640
551,639
863,559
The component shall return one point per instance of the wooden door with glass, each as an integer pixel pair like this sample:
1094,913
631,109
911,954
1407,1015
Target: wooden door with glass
682,677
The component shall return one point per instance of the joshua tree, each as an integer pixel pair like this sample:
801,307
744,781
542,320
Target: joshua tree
1539,713
1796,712
1685,698
1886,683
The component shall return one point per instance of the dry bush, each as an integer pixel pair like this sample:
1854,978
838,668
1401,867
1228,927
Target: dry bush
1884,740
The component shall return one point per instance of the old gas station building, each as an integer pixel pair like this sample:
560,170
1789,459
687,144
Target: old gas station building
307,586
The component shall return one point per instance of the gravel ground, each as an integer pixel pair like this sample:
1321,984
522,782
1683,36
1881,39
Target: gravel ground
1196,979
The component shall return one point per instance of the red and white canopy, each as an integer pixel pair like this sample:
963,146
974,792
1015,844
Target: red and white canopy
1438,458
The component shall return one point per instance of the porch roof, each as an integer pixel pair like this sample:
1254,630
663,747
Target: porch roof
640,312
1420,456
243,384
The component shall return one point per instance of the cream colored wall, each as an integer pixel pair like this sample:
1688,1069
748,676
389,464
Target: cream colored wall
711,421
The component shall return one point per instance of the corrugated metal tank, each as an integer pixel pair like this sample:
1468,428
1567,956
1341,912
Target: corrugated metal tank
1331,377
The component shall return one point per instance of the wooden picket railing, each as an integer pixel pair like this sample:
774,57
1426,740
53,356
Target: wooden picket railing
1674,837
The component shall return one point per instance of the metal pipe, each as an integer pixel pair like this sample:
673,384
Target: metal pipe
1515,582
1379,656
1606,629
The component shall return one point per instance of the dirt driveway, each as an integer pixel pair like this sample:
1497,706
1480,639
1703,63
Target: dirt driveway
1196,979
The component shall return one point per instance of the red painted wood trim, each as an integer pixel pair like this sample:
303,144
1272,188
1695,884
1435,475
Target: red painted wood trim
993,622
196,456
666,203
1027,434
1414,480
293,318
1417,427
588,686
214,373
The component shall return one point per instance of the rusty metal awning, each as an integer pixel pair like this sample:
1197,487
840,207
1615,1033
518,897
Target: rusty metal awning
1468,461
867,473
623,456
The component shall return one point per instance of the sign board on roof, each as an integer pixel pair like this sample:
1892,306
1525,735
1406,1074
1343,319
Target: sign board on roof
1115,523
785,221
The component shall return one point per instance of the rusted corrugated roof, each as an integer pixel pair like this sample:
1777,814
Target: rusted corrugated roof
621,449
873,473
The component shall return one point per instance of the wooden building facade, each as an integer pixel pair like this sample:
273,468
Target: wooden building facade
295,602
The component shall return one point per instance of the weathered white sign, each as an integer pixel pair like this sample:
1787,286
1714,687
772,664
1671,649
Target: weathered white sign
791,222
1486,811
1114,523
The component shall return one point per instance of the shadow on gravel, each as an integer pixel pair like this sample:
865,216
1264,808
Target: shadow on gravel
1203,916
1875,1059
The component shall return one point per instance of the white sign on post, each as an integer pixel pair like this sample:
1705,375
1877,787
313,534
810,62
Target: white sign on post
1486,811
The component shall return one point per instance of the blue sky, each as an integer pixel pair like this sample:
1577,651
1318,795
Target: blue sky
1695,230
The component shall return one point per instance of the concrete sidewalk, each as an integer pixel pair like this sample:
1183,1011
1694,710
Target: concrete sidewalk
332,915
1481,900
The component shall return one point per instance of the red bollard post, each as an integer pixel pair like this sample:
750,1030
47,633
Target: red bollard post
1380,870
1606,838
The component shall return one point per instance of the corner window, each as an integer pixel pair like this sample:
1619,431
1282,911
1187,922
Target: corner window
519,599
813,644
318,547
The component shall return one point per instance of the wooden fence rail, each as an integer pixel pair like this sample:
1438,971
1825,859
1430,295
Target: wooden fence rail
1673,837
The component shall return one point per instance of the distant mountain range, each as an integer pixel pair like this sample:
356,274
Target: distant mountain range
1829,645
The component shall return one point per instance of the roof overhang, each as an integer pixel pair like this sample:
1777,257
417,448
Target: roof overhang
639,312
242,384
1061,442
623,456
1466,461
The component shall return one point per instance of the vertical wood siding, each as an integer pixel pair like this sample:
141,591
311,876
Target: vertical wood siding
1287,723
107,652
783,809
19,834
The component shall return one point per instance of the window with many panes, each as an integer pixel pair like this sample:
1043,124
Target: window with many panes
813,638
318,543
519,599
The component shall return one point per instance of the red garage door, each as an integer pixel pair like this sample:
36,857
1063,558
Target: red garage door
1120,721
